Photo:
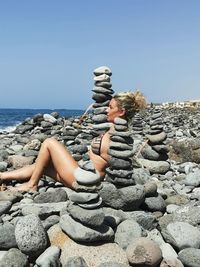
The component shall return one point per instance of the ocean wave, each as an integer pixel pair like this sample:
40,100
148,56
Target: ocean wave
8,129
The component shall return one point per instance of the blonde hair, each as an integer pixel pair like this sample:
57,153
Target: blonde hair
131,102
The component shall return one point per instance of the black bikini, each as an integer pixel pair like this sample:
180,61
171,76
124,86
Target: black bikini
96,145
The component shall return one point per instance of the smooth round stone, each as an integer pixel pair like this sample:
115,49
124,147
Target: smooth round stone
82,197
120,173
102,70
50,257
156,121
102,78
119,127
102,126
157,127
100,118
117,163
156,139
99,97
119,133
120,181
190,257
156,115
87,188
128,140
101,110
103,90
87,165
92,205
144,252
103,84
120,146
86,177
121,154
102,104
120,121
49,118
155,131
82,233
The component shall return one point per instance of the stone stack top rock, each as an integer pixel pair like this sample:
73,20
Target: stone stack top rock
102,70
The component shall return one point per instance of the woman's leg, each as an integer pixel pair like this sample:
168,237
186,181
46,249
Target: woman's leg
23,173
53,160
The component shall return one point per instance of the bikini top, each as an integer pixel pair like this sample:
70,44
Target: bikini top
96,145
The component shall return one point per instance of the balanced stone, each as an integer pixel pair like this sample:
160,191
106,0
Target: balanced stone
86,177
92,217
126,139
102,70
99,97
120,146
121,154
101,110
101,104
120,121
103,84
117,163
99,118
93,204
102,78
106,91
120,173
79,232
83,197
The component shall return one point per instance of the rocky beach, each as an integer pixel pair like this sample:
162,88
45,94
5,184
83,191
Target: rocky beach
146,212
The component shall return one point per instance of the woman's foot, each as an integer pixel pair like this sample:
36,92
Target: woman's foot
25,187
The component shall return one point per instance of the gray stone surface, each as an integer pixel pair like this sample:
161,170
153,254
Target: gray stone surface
30,236
182,235
190,257
94,217
49,258
7,236
126,232
14,258
79,232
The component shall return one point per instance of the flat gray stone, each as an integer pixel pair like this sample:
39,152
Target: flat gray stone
7,236
82,197
126,232
182,235
57,195
102,70
87,217
102,78
5,206
84,177
14,258
79,232
190,257
50,257
160,167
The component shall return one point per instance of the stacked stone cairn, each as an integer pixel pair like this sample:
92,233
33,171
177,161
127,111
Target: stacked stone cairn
102,96
84,220
137,125
156,149
120,168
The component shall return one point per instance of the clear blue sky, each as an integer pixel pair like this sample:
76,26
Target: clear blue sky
49,49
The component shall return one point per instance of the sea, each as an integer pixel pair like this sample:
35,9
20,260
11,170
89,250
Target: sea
11,117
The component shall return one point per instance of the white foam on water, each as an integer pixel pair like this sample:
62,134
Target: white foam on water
8,129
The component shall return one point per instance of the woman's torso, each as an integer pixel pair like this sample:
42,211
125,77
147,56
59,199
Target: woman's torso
99,155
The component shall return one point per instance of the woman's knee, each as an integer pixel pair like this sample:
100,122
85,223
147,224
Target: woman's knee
49,141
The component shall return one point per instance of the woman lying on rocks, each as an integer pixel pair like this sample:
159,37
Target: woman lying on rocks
55,161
